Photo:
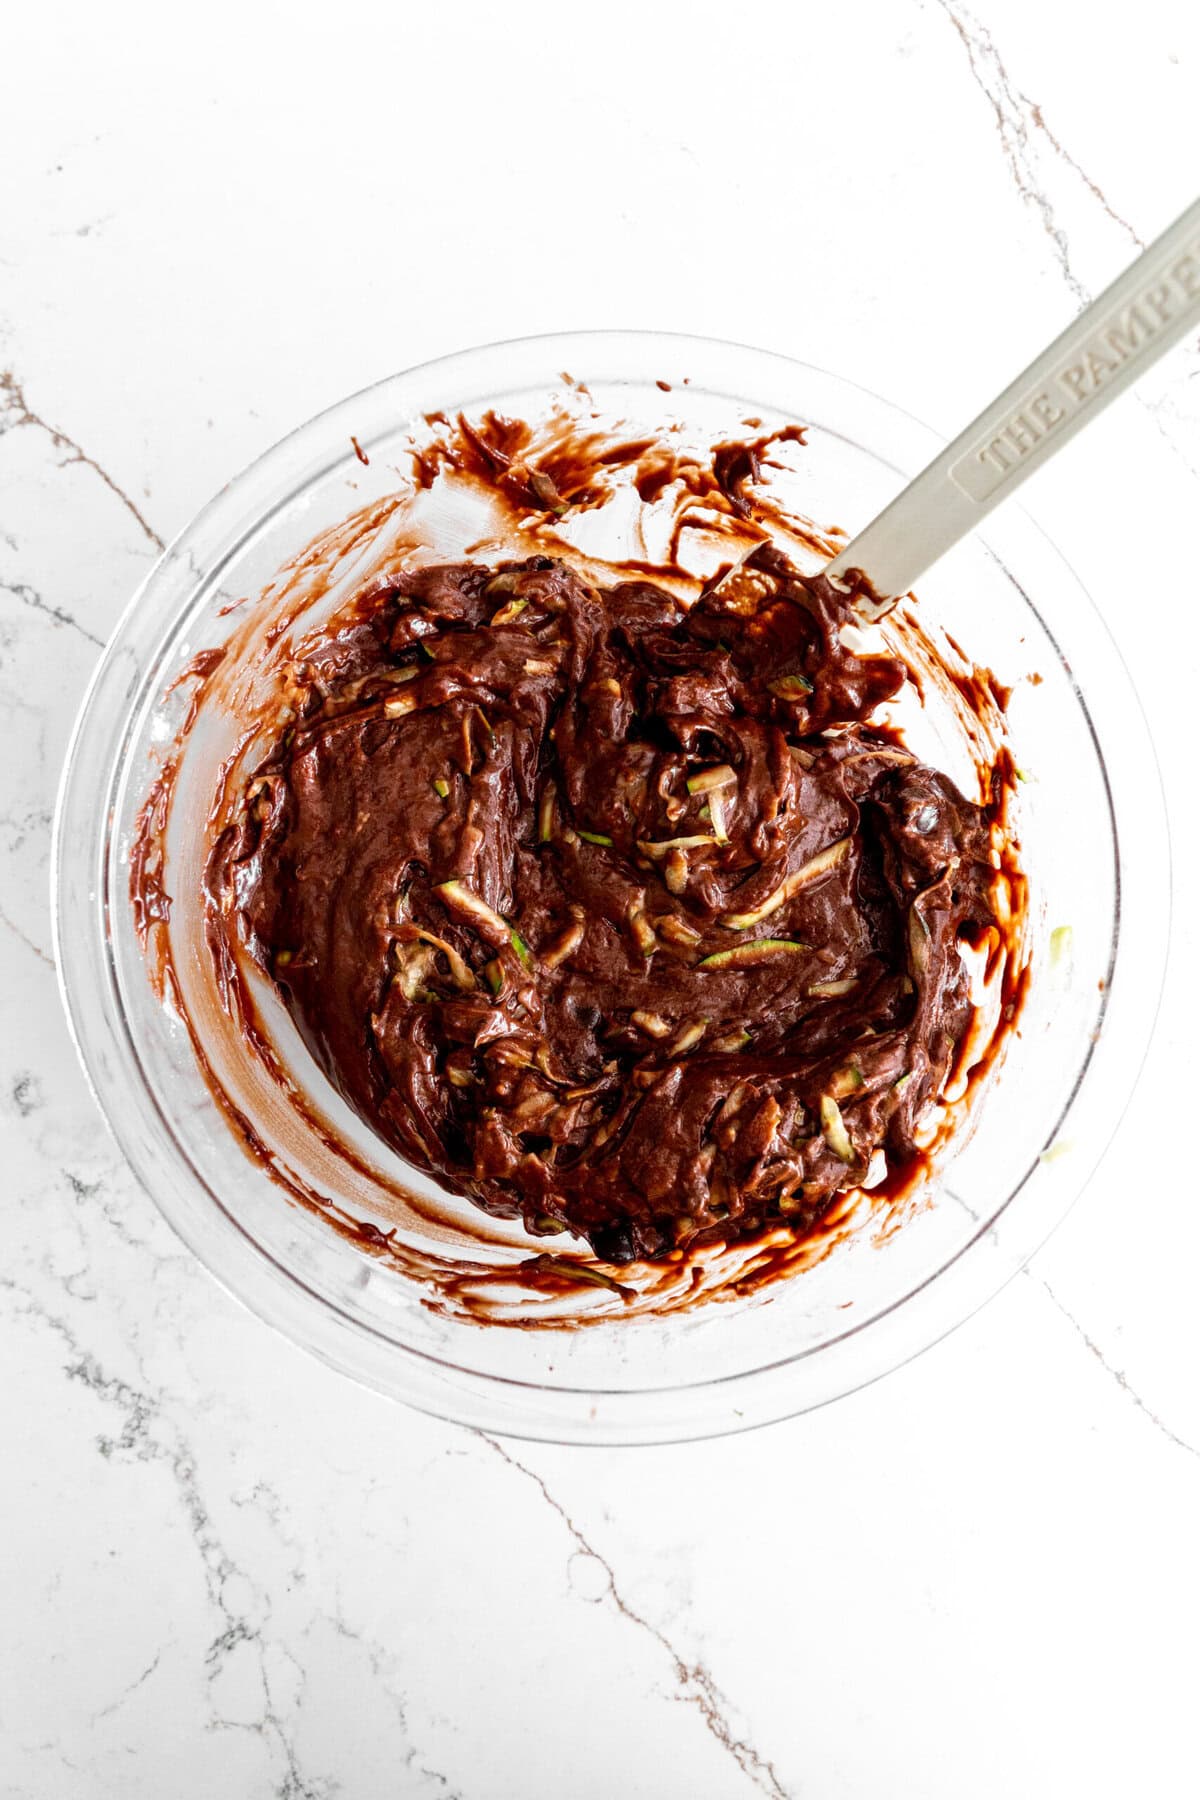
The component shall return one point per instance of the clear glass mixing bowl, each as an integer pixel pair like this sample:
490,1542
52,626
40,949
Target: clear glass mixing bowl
1094,837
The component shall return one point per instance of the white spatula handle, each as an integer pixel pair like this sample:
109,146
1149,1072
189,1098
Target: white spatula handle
1111,343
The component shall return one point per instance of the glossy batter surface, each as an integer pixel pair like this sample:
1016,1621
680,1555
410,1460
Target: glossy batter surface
614,915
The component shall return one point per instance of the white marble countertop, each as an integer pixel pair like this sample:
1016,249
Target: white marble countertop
223,1568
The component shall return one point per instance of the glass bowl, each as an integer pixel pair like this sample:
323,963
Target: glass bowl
1094,844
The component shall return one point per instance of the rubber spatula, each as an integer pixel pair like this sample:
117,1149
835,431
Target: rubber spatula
1113,341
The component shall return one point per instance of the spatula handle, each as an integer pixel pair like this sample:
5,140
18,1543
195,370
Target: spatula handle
1112,342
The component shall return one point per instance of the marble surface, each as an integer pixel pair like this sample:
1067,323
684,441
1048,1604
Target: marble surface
226,1570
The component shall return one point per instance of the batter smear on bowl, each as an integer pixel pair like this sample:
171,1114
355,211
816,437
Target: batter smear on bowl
614,913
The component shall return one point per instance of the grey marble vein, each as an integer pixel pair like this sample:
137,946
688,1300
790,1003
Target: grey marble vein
1110,1368
42,955
16,412
58,615
1097,192
114,1706
1022,127
93,1195
26,1094
21,827
377,1659
699,1688
145,1433
1014,121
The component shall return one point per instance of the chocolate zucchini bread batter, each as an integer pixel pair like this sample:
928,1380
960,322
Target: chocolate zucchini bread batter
614,915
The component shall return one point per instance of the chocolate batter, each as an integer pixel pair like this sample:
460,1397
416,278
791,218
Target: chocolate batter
614,915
